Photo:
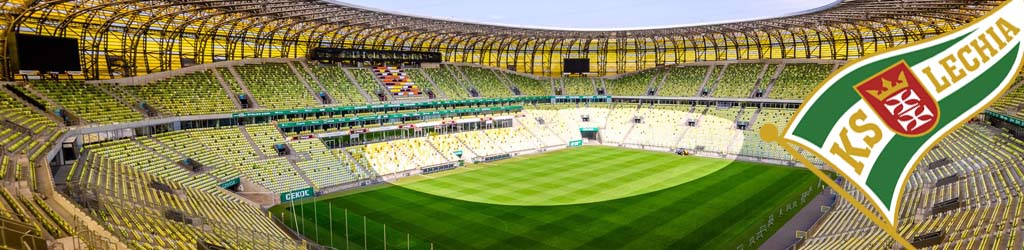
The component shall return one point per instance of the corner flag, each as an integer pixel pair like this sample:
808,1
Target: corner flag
875,118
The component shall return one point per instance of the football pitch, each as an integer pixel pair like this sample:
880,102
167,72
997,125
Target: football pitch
583,198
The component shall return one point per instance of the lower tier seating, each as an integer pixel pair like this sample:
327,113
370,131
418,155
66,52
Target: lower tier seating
322,167
148,212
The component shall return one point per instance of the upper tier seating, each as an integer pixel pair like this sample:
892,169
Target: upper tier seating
738,81
396,81
275,86
798,80
485,81
190,94
444,80
684,81
367,81
225,73
634,84
88,102
27,123
421,80
338,86
578,86
530,86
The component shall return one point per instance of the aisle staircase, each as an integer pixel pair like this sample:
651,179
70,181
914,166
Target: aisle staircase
248,138
243,86
227,88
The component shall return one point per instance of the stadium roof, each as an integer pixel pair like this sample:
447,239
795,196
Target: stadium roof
297,13
839,14
599,15
153,36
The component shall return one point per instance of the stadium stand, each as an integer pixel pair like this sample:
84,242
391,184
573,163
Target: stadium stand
798,80
422,81
619,124
276,174
149,212
19,124
485,81
985,164
513,139
265,137
186,144
447,83
190,94
1013,103
322,167
659,127
87,101
420,151
684,81
578,86
633,84
479,143
738,80
529,86
275,86
447,145
338,86
367,81
137,155
232,82
543,132
754,146
396,81
715,131
383,160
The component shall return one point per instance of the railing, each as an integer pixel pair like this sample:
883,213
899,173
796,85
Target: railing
353,231
17,235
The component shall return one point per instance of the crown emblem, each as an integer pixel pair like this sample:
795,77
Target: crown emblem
889,88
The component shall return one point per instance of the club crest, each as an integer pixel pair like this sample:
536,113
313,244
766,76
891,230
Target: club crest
900,100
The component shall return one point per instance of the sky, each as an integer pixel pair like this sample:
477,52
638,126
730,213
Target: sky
594,14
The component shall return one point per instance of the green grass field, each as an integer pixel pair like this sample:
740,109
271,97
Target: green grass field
583,198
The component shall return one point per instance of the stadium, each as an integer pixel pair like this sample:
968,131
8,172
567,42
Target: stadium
317,124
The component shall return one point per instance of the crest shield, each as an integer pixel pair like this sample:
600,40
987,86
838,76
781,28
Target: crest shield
898,98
